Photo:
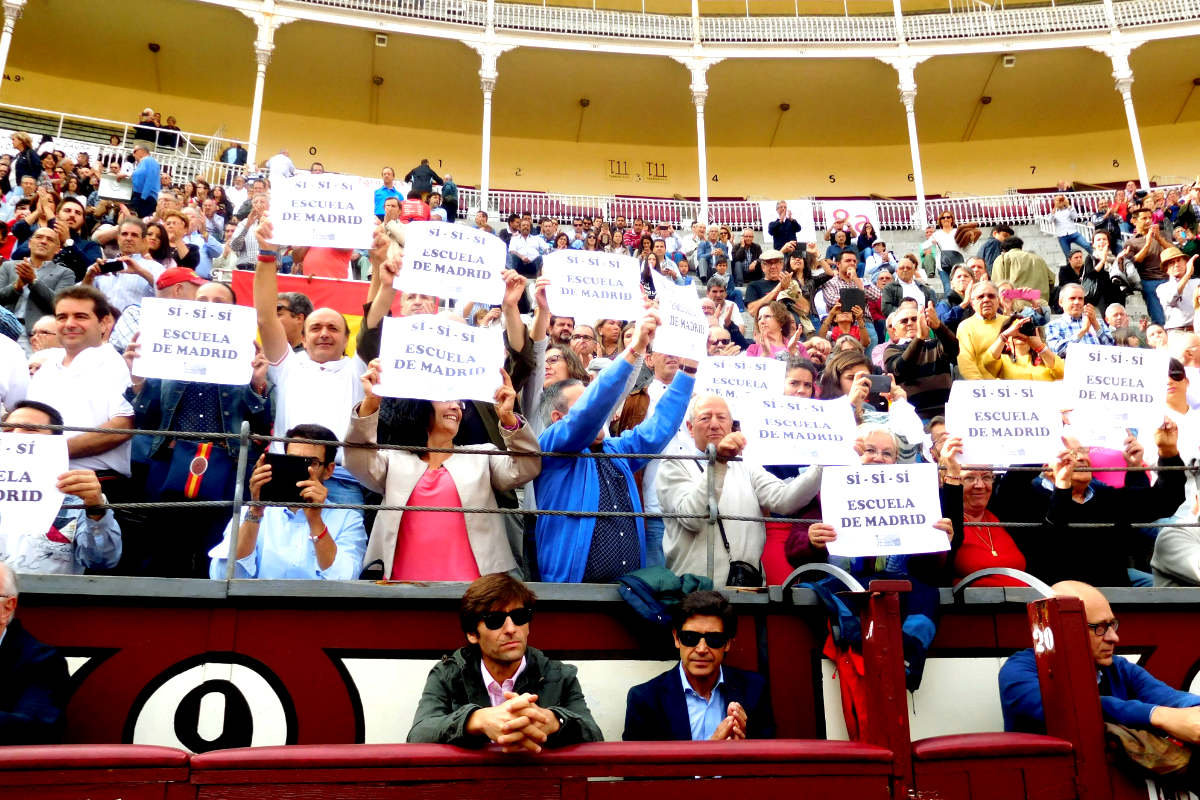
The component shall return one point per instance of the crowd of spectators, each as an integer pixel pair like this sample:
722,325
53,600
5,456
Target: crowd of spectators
972,304
854,322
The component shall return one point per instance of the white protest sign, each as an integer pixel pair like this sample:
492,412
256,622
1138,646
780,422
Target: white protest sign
1006,422
438,358
737,377
590,285
186,340
326,210
1125,385
442,259
29,501
858,212
883,509
795,430
684,328
802,212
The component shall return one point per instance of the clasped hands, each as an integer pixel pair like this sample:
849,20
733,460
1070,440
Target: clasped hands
517,724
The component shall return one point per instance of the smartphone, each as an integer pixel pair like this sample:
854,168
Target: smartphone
112,266
286,472
853,297
880,384
737,426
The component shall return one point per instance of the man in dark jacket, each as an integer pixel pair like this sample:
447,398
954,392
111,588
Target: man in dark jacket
33,697
497,688
700,698
422,178
1066,493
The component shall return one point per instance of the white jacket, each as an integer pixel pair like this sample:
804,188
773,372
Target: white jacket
742,490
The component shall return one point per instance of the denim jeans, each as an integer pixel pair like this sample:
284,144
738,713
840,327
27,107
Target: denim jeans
654,542
1150,295
1065,242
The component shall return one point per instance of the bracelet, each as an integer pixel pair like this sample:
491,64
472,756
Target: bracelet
324,532
688,370
252,517
267,257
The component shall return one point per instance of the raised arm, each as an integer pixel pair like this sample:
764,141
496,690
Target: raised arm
266,293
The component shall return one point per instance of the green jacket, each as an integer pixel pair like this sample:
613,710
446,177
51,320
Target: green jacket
455,690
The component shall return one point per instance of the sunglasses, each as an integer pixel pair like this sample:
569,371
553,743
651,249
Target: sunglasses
1176,374
714,639
494,620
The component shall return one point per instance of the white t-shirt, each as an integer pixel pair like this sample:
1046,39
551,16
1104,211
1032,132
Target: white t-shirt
681,442
318,394
945,241
912,290
14,373
88,392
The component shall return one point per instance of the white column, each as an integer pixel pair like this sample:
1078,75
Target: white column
1123,82
698,66
489,54
906,66
12,13
264,46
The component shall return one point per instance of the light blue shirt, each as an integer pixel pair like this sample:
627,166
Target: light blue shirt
703,715
285,550
209,249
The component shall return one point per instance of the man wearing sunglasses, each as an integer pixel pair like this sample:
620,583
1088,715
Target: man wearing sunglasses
977,332
497,688
700,698
1129,695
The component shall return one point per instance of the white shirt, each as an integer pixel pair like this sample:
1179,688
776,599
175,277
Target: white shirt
236,196
88,392
945,241
913,290
682,442
280,166
124,289
312,393
14,373
524,246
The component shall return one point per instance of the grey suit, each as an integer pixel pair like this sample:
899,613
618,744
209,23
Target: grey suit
49,278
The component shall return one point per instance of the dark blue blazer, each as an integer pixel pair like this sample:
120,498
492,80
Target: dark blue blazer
33,694
657,711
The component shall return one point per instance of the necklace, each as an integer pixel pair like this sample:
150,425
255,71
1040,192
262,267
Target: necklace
991,545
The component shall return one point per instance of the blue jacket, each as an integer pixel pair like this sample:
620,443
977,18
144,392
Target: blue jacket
154,408
656,711
147,178
572,484
1135,693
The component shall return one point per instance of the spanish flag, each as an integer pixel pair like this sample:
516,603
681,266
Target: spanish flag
344,296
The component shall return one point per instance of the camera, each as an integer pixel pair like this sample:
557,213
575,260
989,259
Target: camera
1140,194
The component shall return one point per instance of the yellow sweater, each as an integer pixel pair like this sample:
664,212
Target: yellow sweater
1007,368
975,336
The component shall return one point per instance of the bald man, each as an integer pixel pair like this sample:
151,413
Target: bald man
1129,695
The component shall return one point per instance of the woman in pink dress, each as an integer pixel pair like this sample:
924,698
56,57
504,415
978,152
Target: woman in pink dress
438,545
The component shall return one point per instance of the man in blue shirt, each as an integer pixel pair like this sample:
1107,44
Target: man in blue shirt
147,180
386,191
310,543
700,698
1129,695
600,549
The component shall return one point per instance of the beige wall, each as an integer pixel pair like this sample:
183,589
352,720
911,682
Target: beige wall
978,167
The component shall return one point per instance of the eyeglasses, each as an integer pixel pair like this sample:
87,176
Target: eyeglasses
494,620
54,333
1101,628
984,479
313,461
714,342
554,359
871,450
945,217
906,321
1173,374
714,639
583,336
990,296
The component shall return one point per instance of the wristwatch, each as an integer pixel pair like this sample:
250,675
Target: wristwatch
96,512
68,242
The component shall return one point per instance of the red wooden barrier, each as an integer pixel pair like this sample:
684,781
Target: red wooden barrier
95,772
650,770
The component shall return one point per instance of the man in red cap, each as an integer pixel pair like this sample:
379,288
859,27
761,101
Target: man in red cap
178,283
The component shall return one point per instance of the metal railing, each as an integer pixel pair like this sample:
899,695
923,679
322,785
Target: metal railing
245,440
970,20
987,210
